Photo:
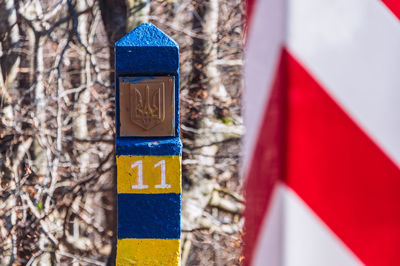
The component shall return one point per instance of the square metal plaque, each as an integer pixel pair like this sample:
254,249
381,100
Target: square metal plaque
147,106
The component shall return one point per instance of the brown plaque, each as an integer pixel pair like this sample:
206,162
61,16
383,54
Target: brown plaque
147,106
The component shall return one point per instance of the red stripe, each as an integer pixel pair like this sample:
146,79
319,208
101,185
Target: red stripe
267,164
341,173
394,6
249,10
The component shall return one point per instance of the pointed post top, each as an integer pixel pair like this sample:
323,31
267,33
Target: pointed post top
147,35
146,50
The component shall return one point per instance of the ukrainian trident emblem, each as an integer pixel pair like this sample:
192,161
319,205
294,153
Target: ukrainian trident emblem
147,104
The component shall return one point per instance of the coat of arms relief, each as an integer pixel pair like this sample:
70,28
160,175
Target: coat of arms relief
147,104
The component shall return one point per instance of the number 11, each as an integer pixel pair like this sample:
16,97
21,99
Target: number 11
140,185
163,178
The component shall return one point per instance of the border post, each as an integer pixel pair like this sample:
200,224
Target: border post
148,148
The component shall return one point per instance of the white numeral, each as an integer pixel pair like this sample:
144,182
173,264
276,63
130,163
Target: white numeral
163,178
140,185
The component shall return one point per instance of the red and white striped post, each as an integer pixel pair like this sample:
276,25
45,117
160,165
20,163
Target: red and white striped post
322,151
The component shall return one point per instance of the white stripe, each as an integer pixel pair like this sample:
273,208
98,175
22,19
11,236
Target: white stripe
268,250
352,47
307,240
262,52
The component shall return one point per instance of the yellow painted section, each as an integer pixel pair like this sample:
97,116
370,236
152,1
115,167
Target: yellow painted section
148,252
151,168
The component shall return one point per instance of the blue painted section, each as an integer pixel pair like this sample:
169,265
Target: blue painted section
146,49
147,59
149,216
134,80
149,146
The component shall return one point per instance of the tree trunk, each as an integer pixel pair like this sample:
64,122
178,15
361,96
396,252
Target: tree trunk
210,88
207,128
10,59
80,127
40,154
113,13
138,13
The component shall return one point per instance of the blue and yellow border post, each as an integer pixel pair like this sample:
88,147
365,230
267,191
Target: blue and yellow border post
148,167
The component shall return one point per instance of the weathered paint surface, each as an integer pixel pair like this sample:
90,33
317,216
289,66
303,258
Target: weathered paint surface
149,146
148,168
149,216
152,170
148,252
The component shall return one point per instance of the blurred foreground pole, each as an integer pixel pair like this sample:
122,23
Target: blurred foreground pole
322,146
148,148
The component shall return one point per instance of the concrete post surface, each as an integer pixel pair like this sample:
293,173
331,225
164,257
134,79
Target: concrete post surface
148,148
